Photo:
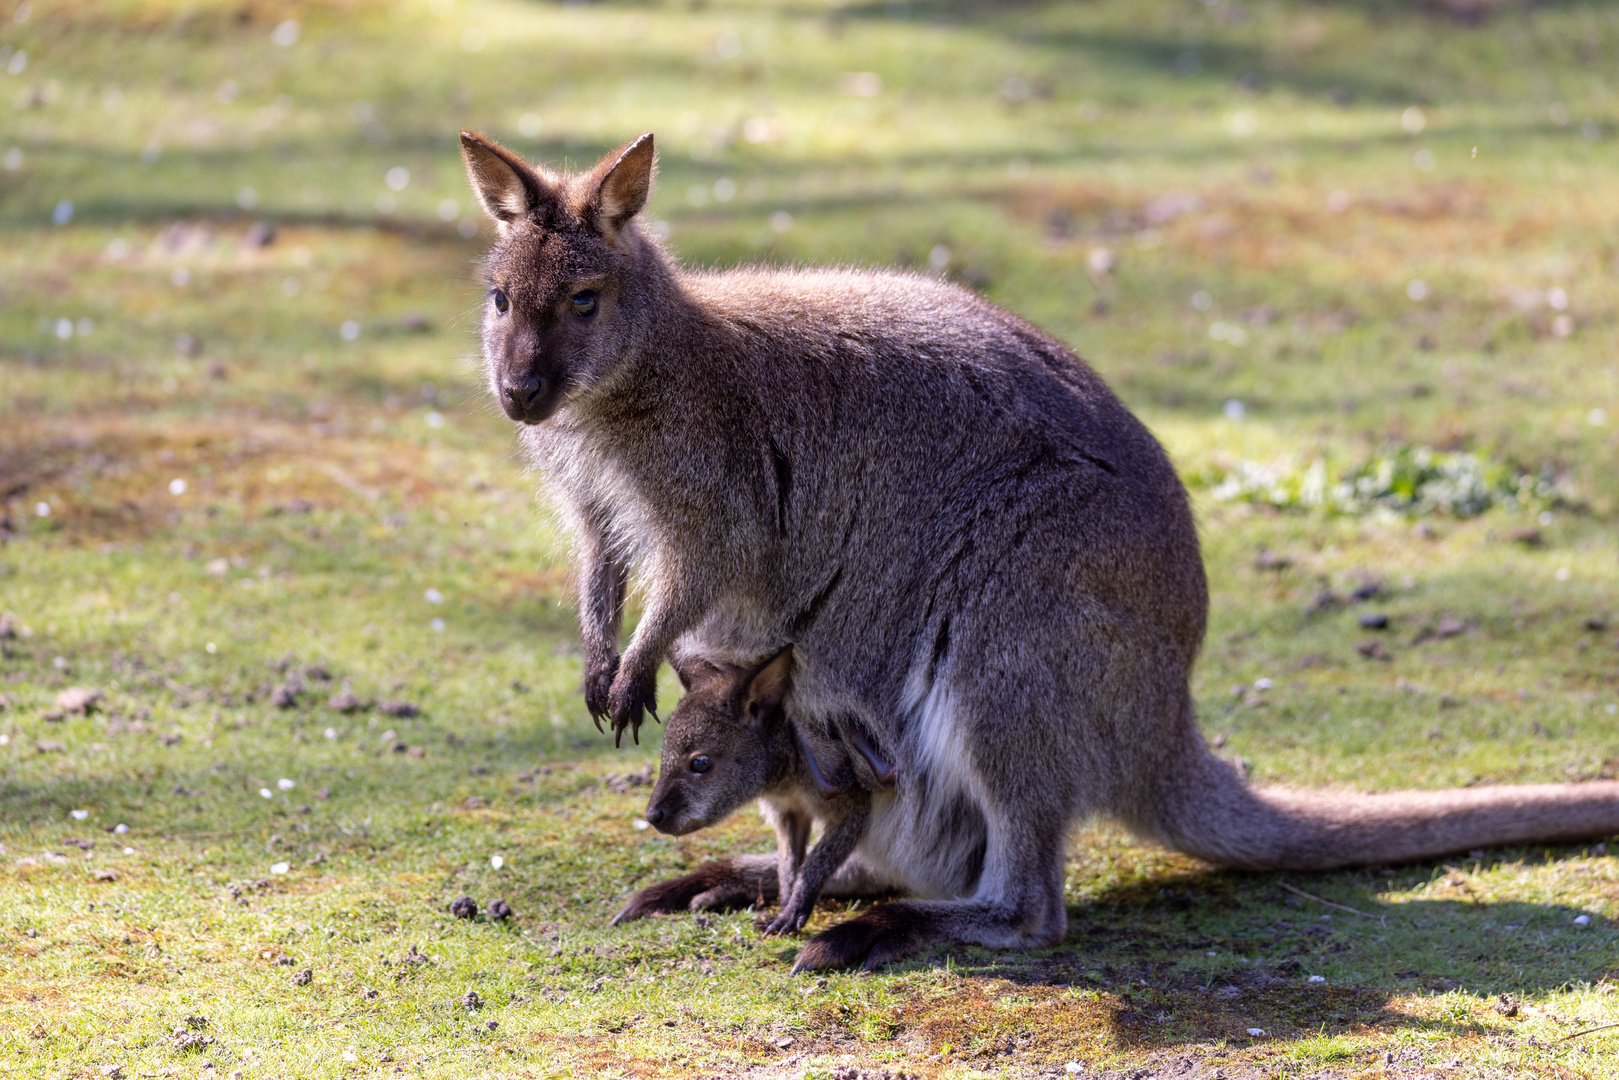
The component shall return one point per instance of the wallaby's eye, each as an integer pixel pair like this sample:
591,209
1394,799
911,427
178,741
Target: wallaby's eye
584,304
502,304
701,763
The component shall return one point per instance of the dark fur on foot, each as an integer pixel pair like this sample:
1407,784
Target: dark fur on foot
878,937
721,883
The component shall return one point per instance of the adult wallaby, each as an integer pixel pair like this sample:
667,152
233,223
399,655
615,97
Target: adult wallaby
976,551
728,742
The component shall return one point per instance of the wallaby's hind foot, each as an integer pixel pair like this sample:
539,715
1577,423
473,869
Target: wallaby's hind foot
738,882
881,935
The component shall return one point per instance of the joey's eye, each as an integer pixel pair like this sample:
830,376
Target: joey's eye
502,304
701,763
584,304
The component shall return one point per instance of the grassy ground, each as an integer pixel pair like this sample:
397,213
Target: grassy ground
216,494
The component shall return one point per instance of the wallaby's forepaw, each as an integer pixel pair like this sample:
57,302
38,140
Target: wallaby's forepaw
599,675
881,935
716,884
628,702
795,912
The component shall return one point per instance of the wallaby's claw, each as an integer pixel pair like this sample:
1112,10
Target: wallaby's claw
629,700
599,676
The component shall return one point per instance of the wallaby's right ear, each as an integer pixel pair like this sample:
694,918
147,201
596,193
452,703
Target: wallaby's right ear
507,186
768,687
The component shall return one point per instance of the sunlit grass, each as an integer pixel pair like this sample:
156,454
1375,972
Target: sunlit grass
1216,204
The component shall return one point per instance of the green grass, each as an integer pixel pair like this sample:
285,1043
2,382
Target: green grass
1262,154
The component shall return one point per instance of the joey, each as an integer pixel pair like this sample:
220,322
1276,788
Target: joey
729,741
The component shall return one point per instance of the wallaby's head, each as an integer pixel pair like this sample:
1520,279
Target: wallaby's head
565,274
724,744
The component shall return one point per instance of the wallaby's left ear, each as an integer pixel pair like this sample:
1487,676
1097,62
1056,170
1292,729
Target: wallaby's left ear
768,687
618,186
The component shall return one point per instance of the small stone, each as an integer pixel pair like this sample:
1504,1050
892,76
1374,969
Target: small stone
499,909
414,322
112,1072
260,234
405,709
105,875
1325,600
284,960
1372,650
475,802
1266,559
1596,624
471,1002
1449,627
345,701
1529,537
284,696
490,1025
78,699
1365,591
1374,621
48,746
464,908
415,752
1506,1005
304,977
371,995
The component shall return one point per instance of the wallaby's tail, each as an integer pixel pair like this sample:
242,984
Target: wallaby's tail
1204,809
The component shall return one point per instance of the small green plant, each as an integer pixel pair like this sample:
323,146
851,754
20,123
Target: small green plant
1412,480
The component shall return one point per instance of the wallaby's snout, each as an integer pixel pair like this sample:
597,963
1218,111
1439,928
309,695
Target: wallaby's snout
524,397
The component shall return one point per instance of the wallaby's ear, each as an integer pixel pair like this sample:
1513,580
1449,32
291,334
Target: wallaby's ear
618,186
692,670
507,186
768,687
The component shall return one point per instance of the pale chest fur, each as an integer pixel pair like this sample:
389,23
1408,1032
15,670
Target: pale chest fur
596,492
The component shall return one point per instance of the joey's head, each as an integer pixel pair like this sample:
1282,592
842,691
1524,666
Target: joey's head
567,274
724,744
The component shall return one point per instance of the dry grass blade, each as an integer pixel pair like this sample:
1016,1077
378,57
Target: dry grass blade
1383,920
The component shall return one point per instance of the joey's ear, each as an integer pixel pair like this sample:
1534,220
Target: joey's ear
507,186
617,188
692,670
768,687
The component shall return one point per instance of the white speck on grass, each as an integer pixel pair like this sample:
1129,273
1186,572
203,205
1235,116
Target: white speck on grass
1424,160
59,663
349,330
529,125
247,198
729,46
496,862
781,221
1264,684
448,210
42,509
437,625
1546,517
211,647
1202,301
79,815
1417,290
1413,120
1317,978
64,209
280,867
5,740
1597,417
1234,409
266,793
434,419
129,851
284,784
120,829
331,734
397,178
1582,920
1073,1067
641,823
177,486
939,257
349,1055
1256,1032
286,33
64,328
434,596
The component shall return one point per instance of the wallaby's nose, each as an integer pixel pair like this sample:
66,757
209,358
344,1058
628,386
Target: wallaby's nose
522,392
655,814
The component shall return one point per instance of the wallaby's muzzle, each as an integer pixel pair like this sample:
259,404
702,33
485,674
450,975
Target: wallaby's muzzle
528,398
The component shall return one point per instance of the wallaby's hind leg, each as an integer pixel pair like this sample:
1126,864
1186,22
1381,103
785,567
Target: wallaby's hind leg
1018,905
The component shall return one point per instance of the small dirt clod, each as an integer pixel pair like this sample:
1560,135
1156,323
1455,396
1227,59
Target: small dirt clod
464,908
304,977
499,909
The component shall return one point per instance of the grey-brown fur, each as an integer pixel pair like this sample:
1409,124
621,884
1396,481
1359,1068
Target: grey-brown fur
728,742
973,547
